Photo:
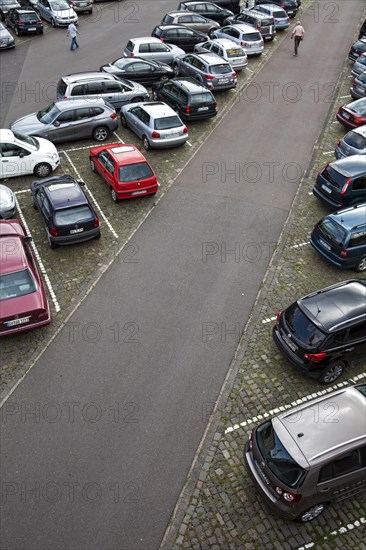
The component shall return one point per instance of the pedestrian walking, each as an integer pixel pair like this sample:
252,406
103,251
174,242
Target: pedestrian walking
298,34
72,32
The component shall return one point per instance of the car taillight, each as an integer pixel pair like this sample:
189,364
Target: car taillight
21,23
244,43
209,76
322,170
278,317
233,73
43,315
344,188
39,21
339,142
96,222
53,231
276,20
344,253
258,27
187,110
155,135
215,105
113,116
185,130
65,97
358,120
315,357
286,495
251,439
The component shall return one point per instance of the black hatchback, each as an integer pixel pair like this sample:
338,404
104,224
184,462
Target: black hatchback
357,49
187,97
342,182
325,332
66,211
179,35
24,21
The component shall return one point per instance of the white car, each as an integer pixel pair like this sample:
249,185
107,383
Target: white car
21,154
227,49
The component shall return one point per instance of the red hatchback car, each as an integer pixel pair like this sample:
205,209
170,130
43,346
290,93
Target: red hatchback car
125,169
23,301
353,114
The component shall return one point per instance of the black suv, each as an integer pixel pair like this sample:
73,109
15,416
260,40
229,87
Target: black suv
67,213
207,9
263,22
290,6
24,21
180,36
187,97
342,182
325,331
341,238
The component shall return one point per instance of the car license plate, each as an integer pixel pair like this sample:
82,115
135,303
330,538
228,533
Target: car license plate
31,28
290,344
326,188
202,109
80,230
346,115
139,192
83,4
223,80
15,322
172,134
326,245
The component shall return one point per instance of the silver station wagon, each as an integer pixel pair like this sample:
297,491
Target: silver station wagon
155,123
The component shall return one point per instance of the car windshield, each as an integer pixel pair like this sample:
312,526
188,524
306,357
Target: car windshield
29,140
251,37
13,285
7,2
60,5
355,140
29,17
134,172
276,457
220,69
234,52
48,115
362,77
362,59
278,14
167,122
334,177
76,214
333,231
302,328
204,97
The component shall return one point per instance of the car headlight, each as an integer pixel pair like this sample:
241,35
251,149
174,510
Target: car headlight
52,156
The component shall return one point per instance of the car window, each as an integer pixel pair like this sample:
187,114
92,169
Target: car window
234,52
204,97
144,48
134,172
48,114
159,48
185,19
215,49
16,284
302,328
185,33
334,177
77,90
167,122
223,68
76,214
82,114
351,462
198,19
120,64
66,116
12,150
140,68
355,140
359,331
358,239
112,86
359,184
94,88
333,231
171,33
95,111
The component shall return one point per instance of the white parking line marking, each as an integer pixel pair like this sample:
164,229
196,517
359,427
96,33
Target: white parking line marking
335,122
189,143
39,260
117,136
291,405
23,191
76,149
268,320
298,245
328,152
344,96
341,530
109,225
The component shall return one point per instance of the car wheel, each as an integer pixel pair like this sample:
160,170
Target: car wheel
311,513
361,266
97,237
53,22
332,374
90,11
123,120
154,96
92,165
34,205
113,195
137,100
41,32
176,69
211,33
146,143
163,78
51,244
42,170
101,133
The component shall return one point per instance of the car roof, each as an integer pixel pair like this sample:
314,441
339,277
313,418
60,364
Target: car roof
143,39
324,427
10,230
271,7
244,27
64,104
361,130
180,12
336,306
6,136
124,153
22,10
63,191
351,166
212,58
225,42
157,108
172,26
255,12
350,218
191,84
87,75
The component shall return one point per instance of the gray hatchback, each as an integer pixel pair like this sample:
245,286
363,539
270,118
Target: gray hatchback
209,69
70,119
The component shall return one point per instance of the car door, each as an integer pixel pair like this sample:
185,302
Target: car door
355,341
358,190
42,204
100,163
62,128
83,123
171,37
113,92
161,52
15,160
11,18
188,39
344,476
141,72
185,65
213,12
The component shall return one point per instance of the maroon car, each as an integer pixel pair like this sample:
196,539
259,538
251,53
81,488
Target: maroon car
353,114
23,301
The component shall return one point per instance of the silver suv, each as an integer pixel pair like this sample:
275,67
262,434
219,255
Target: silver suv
191,20
155,123
69,120
115,90
209,69
228,50
302,459
149,47
245,35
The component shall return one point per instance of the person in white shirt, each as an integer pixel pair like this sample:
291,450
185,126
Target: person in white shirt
298,33
72,32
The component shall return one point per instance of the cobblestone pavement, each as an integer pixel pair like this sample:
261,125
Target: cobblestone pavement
219,506
73,269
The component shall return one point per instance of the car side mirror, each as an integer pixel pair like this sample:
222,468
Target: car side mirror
81,183
56,123
27,239
21,154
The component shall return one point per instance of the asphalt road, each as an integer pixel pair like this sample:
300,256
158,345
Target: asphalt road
153,336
